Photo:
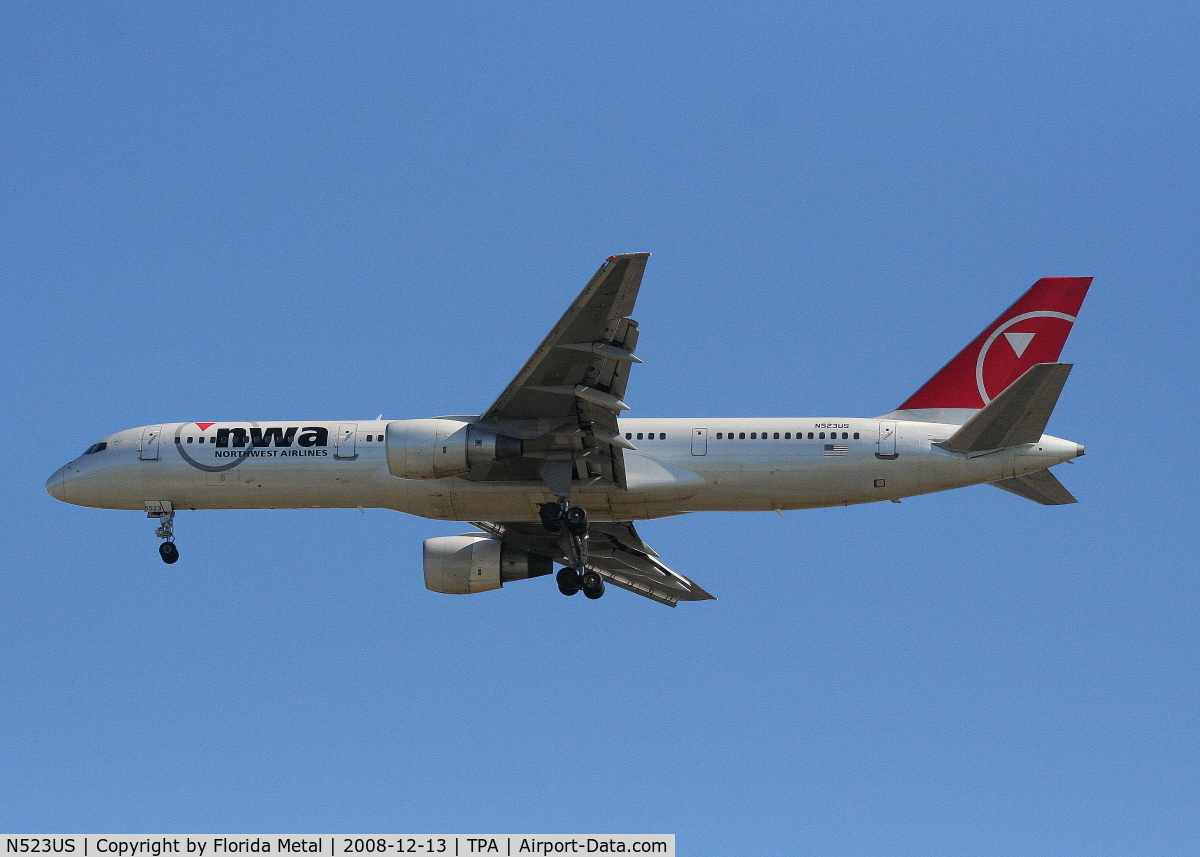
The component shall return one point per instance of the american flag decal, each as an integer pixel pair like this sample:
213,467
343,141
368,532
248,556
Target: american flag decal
836,449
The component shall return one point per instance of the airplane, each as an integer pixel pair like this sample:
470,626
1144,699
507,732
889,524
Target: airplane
550,474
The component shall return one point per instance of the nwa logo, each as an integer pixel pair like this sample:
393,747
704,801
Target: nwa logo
255,441
277,436
1006,364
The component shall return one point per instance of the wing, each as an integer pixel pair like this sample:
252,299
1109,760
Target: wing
564,403
615,551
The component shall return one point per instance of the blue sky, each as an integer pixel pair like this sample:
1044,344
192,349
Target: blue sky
332,211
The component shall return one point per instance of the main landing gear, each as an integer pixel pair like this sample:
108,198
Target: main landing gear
561,515
589,583
555,516
165,530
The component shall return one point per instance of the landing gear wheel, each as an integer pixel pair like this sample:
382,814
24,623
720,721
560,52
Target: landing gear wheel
168,552
552,516
577,521
567,580
592,585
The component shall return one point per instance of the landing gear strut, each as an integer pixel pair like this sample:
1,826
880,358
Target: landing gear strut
165,530
576,577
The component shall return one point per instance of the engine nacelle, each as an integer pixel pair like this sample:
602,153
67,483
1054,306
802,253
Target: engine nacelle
431,449
475,562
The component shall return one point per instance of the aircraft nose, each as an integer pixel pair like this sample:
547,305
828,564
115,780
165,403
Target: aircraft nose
56,485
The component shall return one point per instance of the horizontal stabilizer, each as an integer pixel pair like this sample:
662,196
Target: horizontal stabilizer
1018,415
1041,486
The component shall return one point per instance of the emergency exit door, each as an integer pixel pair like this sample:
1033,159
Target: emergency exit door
700,441
887,440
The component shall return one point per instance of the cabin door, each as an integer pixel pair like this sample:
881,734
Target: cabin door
148,450
345,440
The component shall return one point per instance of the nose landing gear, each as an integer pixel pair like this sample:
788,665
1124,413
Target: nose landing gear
166,529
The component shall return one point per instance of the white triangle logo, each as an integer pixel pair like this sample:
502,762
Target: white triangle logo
1019,341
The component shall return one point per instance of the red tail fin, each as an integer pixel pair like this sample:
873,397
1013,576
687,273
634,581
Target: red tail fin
1033,330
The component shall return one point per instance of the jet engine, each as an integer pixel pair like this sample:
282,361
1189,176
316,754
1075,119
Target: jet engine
475,562
433,448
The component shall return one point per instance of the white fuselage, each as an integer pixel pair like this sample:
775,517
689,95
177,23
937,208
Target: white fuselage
679,466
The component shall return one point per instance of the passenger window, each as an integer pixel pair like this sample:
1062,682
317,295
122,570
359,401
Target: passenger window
787,435
845,436
776,435
810,436
662,435
741,435
639,435
202,438
856,435
189,440
629,435
718,435
754,435
821,435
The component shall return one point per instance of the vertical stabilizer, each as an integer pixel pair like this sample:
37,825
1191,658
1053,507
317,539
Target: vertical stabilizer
1031,331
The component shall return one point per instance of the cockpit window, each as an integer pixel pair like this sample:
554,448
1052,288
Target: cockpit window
96,447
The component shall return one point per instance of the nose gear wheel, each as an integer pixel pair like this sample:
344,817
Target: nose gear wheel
166,531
